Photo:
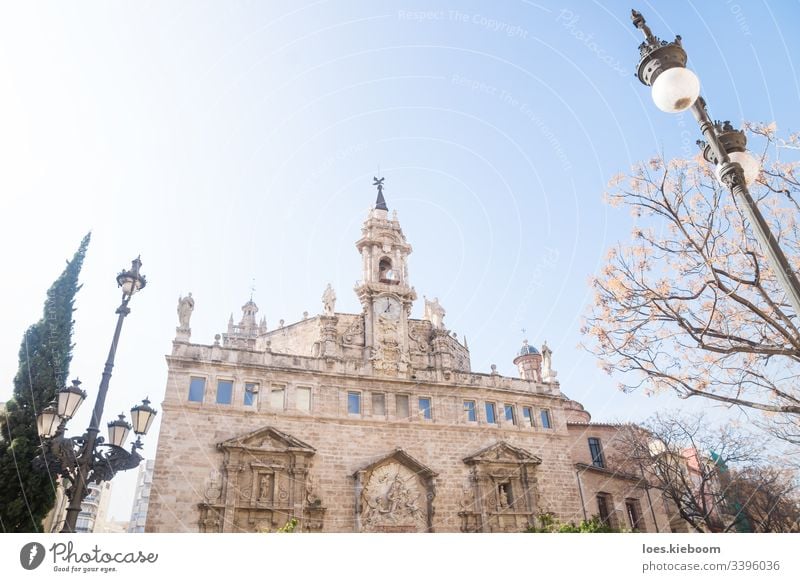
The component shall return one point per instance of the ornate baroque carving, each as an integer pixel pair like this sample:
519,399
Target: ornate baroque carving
503,490
418,334
354,334
395,494
392,498
386,331
264,482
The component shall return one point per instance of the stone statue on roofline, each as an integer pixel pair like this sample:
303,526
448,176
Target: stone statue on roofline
329,300
185,308
548,373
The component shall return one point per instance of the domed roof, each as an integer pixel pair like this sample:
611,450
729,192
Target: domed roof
528,349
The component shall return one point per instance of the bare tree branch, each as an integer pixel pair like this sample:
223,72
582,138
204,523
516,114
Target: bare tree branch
716,480
691,304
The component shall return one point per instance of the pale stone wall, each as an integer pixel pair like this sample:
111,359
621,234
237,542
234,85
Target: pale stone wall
343,447
189,463
297,338
607,433
613,480
344,443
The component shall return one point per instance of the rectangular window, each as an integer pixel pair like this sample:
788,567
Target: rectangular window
509,413
527,414
632,508
378,404
597,452
425,408
354,403
469,408
224,391
491,417
546,419
302,399
276,398
250,391
401,403
604,508
197,387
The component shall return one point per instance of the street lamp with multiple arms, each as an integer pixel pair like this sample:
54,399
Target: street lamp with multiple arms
81,460
675,88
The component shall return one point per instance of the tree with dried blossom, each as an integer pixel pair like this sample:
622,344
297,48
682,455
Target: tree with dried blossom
706,475
767,498
691,303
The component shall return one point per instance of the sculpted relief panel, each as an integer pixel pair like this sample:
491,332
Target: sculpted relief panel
395,494
391,499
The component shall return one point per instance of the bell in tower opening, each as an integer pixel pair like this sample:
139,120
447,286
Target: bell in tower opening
385,272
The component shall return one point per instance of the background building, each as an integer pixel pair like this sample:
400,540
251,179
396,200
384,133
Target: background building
93,517
94,509
141,498
375,422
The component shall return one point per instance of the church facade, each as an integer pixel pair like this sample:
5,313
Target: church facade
375,422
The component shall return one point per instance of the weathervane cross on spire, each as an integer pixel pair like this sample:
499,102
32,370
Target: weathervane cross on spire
380,203
379,183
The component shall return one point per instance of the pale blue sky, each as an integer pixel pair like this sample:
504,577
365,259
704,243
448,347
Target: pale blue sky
231,141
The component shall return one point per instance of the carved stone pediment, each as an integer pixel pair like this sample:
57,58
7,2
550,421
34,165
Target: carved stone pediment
264,480
403,458
267,439
502,491
502,452
395,494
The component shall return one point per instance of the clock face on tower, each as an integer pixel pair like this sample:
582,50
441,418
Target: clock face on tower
387,307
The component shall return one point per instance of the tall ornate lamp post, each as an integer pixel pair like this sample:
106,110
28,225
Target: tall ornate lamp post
676,88
81,460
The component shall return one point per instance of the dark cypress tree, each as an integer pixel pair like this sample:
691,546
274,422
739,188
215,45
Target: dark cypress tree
27,495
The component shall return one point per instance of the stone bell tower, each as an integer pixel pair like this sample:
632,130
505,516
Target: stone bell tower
384,290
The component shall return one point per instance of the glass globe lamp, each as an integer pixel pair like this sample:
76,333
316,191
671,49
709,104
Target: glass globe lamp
749,164
676,90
